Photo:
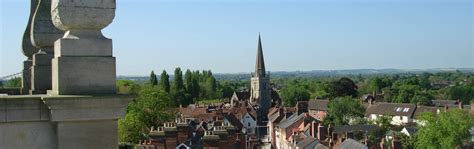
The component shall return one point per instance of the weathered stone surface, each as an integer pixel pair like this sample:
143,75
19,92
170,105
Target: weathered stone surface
88,134
22,108
83,75
41,73
26,75
86,108
82,14
43,31
83,47
27,47
28,135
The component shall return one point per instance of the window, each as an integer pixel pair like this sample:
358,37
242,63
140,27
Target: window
406,109
398,109
248,124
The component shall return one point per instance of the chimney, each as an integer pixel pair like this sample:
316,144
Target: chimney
322,132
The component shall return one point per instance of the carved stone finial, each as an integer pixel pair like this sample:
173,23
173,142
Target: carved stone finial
82,18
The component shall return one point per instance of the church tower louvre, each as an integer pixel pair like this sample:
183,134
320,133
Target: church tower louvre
260,89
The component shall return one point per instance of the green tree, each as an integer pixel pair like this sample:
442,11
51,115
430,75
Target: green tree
192,84
463,92
294,93
165,81
341,88
341,110
178,90
444,130
131,129
127,87
376,84
13,83
153,79
150,108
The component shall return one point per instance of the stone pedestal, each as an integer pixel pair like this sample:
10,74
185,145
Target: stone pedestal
83,67
41,73
87,121
26,76
60,122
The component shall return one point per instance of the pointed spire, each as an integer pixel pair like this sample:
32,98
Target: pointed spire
260,65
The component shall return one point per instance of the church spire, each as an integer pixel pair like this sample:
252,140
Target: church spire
260,65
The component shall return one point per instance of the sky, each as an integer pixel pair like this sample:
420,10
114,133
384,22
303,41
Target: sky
221,35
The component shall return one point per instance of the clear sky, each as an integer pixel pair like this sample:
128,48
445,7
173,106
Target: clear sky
221,35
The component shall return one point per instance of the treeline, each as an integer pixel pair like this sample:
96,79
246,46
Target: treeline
400,88
184,89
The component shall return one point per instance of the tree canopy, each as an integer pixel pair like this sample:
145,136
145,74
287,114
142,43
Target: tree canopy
149,109
341,88
444,130
165,81
342,109
293,93
153,79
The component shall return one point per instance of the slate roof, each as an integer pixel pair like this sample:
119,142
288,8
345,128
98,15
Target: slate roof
352,144
421,109
290,120
233,120
243,95
391,109
352,128
307,143
442,103
318,105
320,146
276,117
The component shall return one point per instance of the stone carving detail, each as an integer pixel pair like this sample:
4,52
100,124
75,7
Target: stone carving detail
27,47
43,32
82,18
28,50
83,63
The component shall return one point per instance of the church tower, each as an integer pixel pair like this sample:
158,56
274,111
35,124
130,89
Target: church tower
260,90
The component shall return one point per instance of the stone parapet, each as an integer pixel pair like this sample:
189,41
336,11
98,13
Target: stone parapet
44,121
78,108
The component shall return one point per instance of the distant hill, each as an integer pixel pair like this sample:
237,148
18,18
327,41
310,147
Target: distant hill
319,73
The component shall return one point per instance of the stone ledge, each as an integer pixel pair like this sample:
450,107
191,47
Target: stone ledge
22,108
86,108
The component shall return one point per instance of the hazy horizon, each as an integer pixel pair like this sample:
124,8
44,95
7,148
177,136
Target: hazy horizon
296,35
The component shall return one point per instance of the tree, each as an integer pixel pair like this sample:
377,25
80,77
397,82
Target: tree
341,110
192,84
444,130
153,79
341,88
127,87
14,83
463,92
376,84
178,90
165,81
149,109
422,97
294,93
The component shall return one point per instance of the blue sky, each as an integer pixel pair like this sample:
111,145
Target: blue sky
221,35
